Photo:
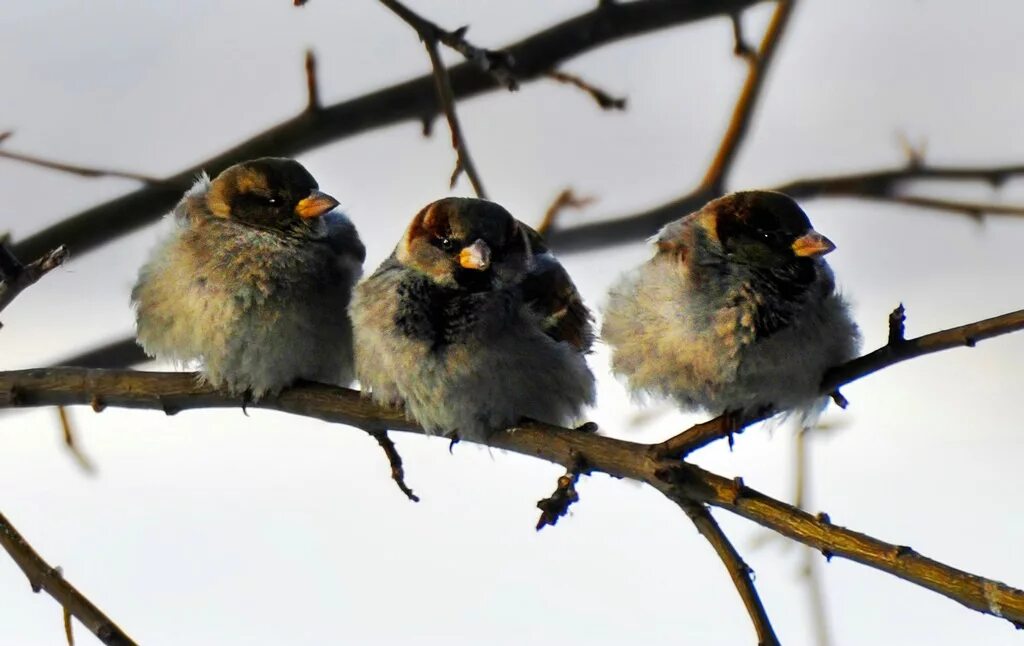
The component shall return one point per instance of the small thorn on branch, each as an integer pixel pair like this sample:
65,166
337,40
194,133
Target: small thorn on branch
897,327
312,85
604,100
741,47
914,153
557,506
565,200
839,399
397,472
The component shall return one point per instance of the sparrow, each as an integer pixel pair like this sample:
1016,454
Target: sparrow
472,325
736,312
254,281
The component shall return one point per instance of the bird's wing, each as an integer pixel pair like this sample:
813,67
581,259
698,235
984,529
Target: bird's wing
343,238
548,289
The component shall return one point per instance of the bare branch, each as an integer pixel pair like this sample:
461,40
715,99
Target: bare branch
74,169
411,100
716,175
15,278
430,34
739,571
604,100
499,64
395,460
43,577
724,426
72,446
173,392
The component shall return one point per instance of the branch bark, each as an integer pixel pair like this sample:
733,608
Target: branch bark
49,579
15,277
173,392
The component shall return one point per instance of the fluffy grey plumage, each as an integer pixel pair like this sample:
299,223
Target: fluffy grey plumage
737,310
254,282
472,325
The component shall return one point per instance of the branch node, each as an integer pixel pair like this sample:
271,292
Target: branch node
828,555
822,517
557,505
395,460
897,327
97,405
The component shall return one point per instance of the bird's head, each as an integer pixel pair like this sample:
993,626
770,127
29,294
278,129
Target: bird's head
466,243
762,229
271,193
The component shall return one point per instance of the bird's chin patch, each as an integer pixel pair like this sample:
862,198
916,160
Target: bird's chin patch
473,280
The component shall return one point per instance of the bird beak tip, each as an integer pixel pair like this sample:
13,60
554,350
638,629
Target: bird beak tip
476,256
812,245
315,205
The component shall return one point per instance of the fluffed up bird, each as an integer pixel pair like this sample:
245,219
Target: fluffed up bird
472,325
736,312
254,281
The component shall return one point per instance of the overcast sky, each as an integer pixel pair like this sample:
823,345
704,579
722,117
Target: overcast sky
217,528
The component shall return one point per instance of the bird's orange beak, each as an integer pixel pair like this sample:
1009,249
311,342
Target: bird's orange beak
475,256
812,244
315,205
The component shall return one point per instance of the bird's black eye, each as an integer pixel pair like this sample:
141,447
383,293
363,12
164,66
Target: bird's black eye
447,244
270,200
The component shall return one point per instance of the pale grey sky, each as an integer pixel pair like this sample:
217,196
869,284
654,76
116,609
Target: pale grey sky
216,528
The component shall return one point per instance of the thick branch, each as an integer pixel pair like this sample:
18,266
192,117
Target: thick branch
873,185
412,100
739,571
43,577
173,392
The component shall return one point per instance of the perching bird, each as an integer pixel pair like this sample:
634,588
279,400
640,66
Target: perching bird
472,325
254,282
736,312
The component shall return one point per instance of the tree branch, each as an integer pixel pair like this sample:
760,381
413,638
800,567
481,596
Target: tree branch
716,175
43,577
15,277
411,100
430,34
74,169
395,460
173,392
893,352
603,99
739,571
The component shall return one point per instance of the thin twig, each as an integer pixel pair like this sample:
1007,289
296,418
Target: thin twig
430,34
75,169
741,47
604,100
395,460
716,175
499,64
71,445
445,96
15,278
565,200
43,577
739,571
312,85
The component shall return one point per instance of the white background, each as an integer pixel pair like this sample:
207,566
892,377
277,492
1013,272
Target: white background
216,528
